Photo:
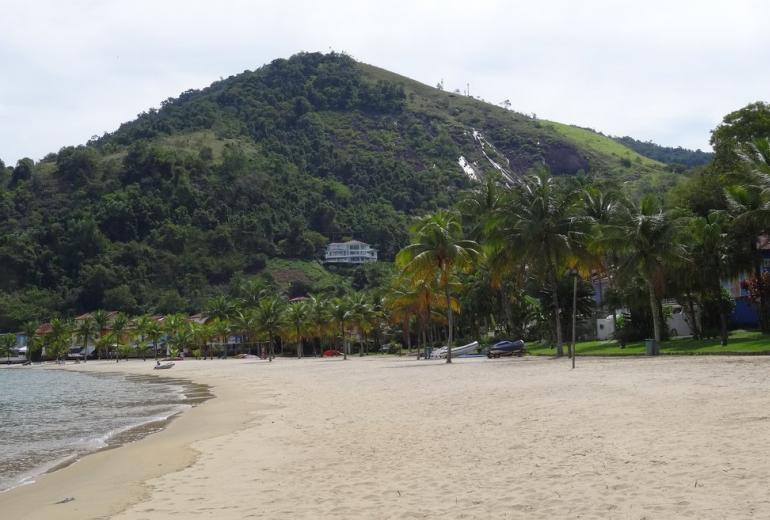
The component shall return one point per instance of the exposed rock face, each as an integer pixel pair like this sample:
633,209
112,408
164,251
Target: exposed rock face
565,159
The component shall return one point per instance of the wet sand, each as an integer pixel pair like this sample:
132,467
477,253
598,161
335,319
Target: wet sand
396,438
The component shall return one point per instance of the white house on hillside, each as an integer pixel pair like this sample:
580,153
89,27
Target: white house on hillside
351,252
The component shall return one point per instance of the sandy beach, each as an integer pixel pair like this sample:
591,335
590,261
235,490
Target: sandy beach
396,438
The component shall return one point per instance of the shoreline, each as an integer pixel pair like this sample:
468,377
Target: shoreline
107,480
192,394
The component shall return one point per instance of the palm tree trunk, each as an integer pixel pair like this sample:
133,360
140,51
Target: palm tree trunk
408,337
449,320
655,312
696,332
556,313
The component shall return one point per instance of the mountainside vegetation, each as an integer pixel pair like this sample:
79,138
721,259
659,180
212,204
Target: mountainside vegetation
680,158
254,175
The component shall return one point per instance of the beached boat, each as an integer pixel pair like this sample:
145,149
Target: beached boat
441,353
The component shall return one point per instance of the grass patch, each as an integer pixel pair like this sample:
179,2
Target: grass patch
602,144
739,342
285,271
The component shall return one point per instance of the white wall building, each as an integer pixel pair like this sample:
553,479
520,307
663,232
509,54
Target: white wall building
351,252
677,324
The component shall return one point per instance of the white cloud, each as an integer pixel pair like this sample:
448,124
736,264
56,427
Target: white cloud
656,70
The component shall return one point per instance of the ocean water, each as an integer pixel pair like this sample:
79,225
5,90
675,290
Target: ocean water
49,418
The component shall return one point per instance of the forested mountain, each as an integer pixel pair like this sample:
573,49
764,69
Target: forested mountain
678,157
272,163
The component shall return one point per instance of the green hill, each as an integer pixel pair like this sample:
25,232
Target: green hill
219,183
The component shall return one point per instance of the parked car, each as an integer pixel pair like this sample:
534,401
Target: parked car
506,348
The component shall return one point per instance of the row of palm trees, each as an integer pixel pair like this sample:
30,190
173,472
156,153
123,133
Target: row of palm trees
265,320
528,236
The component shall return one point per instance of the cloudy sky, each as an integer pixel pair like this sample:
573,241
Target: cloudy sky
661,70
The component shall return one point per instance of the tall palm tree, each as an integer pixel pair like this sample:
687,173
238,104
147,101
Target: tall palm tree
271,318
245,321
175,325
220,307
296,315
142,325
60,337
29,330
101,319
439,250
480,203
154,332
252,292
339,310
119,325
709,250
85,331
648,239
221,329
362,315
7,342
748,200
318,315
536,228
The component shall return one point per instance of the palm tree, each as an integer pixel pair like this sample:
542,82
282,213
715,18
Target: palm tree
85,331
296,315
119,325
142,325
363,315
252,292
318,315
101,319
182,337
748,201
60,337
648,237
29,330
439,250
340,313
710,251
7,342
270,317
200,334
154,332
536,228
175,327
220,307
245,321
221,329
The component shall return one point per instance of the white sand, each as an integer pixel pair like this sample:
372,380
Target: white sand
395,438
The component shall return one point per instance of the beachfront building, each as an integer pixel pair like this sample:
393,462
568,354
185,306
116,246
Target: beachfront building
350,252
